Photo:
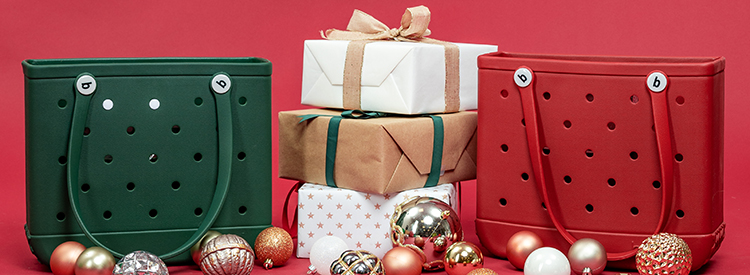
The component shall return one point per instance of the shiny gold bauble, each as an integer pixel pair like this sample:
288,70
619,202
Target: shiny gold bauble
273,247
195,251
462,258
664,253
227,255
482,271
95,261
428,224
354,262
63,259
520,245
402,261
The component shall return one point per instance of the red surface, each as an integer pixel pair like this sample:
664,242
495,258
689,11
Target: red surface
276,30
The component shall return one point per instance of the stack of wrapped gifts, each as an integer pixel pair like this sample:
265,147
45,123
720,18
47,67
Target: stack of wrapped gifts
394,126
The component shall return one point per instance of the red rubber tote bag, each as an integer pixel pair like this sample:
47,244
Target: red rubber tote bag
610,148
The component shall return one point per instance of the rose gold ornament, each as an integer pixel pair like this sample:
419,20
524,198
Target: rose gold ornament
227,255
664,253
463,257
587,257
428,224
95,261
402,261
63,259
357,262
482,271
273,247
520,245
195,251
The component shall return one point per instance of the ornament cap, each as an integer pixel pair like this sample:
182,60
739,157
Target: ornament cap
268,264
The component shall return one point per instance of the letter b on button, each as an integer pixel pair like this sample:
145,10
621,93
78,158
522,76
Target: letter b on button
523,77
656,81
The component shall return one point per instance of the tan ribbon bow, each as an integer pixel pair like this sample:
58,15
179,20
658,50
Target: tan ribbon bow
363,29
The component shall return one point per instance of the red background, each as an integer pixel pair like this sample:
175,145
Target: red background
276,29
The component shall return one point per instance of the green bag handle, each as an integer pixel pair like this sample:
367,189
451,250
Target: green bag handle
85,86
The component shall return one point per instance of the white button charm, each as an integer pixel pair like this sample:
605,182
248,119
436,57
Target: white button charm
154,104
108,104
523,77
656,81
221,83
86,84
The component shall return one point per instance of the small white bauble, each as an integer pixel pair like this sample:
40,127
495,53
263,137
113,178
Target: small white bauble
326,250
546,261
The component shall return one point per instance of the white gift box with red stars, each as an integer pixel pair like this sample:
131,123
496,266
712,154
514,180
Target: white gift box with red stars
362,220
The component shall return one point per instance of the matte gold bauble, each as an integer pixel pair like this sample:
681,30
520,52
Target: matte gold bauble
462,258
195,251
63,259
428,224
587,257
95,261
664,253
227,255
273,247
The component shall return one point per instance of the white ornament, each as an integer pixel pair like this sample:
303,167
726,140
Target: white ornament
326,250
546,261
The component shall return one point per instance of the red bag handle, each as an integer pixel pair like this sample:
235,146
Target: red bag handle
291,228
657,83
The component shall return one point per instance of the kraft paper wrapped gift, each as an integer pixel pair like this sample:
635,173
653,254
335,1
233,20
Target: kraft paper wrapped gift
396,77
378,155
361,219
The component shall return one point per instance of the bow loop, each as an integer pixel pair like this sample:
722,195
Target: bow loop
363,26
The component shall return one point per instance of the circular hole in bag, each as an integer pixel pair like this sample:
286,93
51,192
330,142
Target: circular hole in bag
680,214
241,156
154,104
544,206
611,126
62,103
589,153
242,210
130,130
503,202
545,150
634,211
634,99
525,176
130,186
60,216
656,184
546,95
198,101
62,160
175,185
86,131
589,208
242,100
567,124
176,129
611,182
197,157
678,157
504,93
85,187
108,159
523,122
504,147
152,213
589,97
680,100
198,212
107,215
633,155
153,158
567,179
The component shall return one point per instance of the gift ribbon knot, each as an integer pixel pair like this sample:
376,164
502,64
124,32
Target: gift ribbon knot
363,29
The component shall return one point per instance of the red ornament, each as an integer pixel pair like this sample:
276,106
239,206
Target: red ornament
402,261
273,247
520,245
63,259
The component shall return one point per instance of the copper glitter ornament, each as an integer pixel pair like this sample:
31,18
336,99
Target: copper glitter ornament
664,253
227,255
273,247
429,225
354,262
482,271
463,257
195,251
63,259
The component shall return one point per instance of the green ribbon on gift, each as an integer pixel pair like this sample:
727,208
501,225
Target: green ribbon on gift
333,136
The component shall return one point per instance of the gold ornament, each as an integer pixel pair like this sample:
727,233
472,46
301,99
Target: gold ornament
95,261
664,253
227,255
195,251
429,225
354,262
463,257
482,271
273,247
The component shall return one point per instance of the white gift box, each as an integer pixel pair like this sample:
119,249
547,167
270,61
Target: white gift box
397,77
362,220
